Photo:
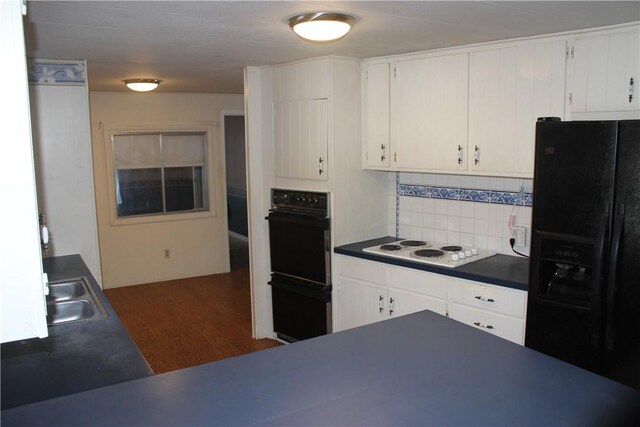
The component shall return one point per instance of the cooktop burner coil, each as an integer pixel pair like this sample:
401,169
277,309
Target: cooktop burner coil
451,248
414,243
390,248
428,253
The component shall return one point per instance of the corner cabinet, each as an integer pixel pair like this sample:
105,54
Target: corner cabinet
429,113
606,73
368,291
301,137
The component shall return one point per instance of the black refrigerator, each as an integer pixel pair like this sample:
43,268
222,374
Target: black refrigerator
584,286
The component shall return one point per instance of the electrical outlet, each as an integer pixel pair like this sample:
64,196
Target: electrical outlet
521,236
167,253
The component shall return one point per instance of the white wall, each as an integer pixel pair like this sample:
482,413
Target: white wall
64,172
133,254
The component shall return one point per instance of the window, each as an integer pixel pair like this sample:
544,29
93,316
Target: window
160,173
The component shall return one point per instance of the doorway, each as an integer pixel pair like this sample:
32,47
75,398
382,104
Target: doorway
233,135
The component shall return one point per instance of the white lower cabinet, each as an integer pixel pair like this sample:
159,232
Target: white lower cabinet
368,291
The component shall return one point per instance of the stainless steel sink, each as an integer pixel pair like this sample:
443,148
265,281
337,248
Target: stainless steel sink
72,300
63,291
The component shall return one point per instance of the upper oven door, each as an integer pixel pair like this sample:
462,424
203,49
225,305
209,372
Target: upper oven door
300,246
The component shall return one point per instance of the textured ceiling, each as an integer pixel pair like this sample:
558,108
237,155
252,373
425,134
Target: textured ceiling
203,46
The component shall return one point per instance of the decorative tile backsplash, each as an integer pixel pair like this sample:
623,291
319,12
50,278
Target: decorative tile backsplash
465,210
52,72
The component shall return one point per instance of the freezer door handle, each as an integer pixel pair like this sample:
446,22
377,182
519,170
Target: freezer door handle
618,226
598,279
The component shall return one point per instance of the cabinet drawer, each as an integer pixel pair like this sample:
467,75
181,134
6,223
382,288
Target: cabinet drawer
496,324
491,298
366,271
418,282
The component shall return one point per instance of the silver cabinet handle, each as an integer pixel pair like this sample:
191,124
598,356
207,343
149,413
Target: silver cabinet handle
630,90
459,154
480,325
476,155
391,306
382,157
484,299
320,166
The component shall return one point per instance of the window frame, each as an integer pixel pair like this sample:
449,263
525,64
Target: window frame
210,172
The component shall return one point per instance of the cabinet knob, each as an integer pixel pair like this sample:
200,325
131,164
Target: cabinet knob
478,297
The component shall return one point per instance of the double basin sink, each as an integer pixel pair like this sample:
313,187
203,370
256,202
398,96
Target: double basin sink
72,300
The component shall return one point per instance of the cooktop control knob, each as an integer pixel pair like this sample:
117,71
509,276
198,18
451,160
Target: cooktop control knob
474,251
467,253
455,257
461,255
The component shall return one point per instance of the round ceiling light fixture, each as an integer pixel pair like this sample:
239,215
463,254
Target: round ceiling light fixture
142,85
322,27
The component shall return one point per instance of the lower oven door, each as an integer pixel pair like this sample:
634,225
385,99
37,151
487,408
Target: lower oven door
299,246
300,310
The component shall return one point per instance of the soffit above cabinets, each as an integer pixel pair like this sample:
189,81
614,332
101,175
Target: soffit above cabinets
203,46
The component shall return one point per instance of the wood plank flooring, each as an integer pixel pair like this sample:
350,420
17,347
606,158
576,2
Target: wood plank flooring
187,322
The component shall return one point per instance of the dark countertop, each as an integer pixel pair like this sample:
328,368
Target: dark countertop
419,369
502,270
74,357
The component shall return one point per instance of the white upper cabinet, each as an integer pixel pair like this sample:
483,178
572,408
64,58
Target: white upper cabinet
301,137
606,69
509,88
429,112
375,81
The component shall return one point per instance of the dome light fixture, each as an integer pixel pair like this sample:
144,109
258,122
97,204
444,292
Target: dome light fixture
322,27
142,85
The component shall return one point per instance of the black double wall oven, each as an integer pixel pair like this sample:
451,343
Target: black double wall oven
300,250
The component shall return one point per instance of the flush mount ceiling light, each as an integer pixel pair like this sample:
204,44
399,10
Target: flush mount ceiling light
142,85
322,27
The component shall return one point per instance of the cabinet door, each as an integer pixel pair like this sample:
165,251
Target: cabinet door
496,324
509,88
604,67
358,303
429,111
401,303
301,136
376,116
22,306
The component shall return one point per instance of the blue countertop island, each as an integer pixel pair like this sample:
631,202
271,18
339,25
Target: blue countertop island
419,369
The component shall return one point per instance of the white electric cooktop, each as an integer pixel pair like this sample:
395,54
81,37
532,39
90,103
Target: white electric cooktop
434,253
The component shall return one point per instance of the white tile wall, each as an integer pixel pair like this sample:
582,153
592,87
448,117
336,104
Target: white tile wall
481,225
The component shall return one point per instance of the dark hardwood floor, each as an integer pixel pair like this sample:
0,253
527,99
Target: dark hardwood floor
187,322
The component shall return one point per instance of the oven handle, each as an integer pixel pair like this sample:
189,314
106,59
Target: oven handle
322,293
312,221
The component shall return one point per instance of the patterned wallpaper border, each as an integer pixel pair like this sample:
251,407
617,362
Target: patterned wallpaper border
465,194
51,72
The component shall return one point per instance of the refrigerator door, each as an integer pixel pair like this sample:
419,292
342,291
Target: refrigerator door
573,195
622,331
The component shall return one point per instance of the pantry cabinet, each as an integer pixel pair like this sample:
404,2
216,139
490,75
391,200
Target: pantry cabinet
606,69
509,88
301,137
367,291
429,113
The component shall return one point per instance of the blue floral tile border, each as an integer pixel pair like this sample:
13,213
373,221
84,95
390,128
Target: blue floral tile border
464,194
46,71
